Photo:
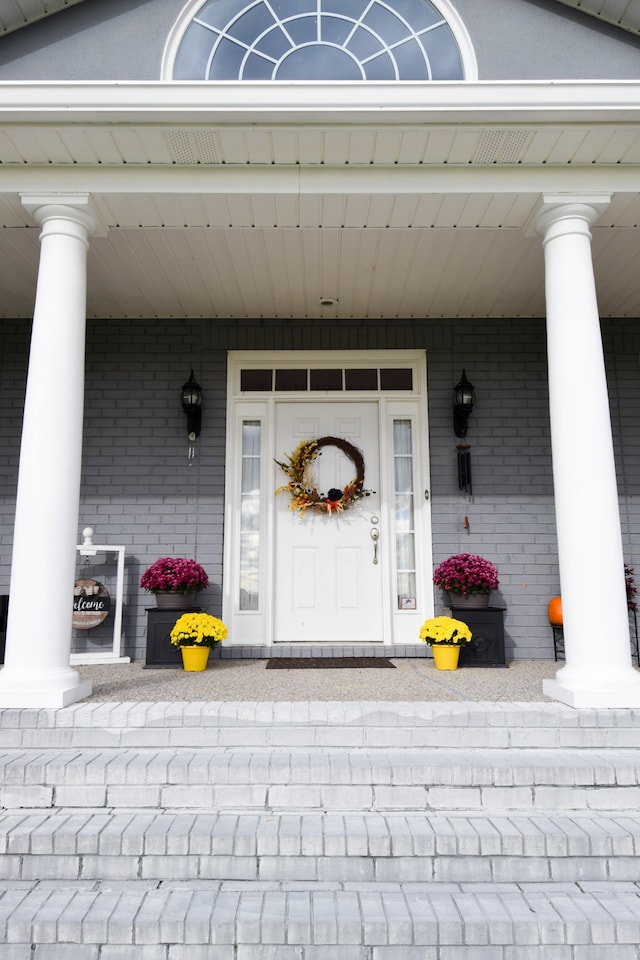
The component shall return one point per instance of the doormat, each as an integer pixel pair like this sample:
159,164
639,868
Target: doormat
329,663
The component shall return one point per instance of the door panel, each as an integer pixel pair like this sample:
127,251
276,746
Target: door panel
327,586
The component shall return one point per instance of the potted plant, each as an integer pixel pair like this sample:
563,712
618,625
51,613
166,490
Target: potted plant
468,578
195,634
174,580
445,636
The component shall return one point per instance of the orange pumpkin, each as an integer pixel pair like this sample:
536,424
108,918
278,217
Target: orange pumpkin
554,611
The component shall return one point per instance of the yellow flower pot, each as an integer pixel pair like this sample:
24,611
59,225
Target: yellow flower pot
195,657
445,657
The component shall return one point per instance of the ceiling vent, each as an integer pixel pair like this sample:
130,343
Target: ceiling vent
502,146
194,147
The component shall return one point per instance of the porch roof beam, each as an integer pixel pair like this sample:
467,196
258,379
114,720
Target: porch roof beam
312,102
298,181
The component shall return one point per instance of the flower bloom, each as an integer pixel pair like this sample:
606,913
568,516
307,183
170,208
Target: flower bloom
446,631
466,573
198,628
174,575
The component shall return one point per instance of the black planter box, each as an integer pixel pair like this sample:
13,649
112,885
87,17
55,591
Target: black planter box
160,651
487,645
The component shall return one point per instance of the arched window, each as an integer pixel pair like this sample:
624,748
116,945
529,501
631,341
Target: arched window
318,40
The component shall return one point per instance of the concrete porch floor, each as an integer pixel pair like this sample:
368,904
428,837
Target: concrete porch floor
237,680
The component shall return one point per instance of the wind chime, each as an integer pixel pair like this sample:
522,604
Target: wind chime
464,397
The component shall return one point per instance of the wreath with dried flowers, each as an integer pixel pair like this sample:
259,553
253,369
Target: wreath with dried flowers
302,484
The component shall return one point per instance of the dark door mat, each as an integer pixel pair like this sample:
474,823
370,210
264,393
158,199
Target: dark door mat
329,663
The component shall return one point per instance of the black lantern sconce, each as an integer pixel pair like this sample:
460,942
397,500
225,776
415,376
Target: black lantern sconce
464,397
191,399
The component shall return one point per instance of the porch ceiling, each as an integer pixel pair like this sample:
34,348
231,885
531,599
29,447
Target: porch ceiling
419,211
378,255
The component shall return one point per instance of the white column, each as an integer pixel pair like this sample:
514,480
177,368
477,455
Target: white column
37,671
598,670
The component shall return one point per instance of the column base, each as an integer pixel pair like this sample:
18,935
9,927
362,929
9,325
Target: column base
42,691
621,694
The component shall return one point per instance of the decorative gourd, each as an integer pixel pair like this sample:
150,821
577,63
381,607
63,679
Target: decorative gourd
554,611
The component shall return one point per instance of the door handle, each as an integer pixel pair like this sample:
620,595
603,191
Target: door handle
375,536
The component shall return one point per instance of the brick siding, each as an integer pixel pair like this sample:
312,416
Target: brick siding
139,489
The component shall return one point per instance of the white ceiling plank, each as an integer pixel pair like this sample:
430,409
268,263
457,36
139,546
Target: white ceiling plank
474,211
310,146
247,296
263,213
336,146
105,146
450,210
14,214
427,210
386,146
259,146
286,147
210,209
293,278
357,210
567,144
131,146
234,148
465,144
380,210
211,253
287,211
594,144
361,146
403,210
333,212
240,211
311,210
542,144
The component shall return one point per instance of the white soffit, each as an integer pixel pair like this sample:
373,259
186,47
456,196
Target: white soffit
436,145
620,13
15,14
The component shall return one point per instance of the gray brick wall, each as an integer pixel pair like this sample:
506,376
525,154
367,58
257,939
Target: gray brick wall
139,489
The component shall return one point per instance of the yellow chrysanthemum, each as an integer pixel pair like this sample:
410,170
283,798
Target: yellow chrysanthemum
198,628
445,630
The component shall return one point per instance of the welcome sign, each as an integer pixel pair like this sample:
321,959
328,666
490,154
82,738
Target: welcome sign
91,604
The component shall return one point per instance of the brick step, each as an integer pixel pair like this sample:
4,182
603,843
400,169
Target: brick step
204,920
70,845
272,779
319,724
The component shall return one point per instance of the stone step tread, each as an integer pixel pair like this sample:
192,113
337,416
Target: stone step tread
321,737
412,914
385,714
72,846
167,833
242,766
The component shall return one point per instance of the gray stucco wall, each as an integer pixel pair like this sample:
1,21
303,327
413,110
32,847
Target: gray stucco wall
513,40
139,490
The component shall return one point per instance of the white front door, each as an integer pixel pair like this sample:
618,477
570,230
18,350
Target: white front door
327,567
354,577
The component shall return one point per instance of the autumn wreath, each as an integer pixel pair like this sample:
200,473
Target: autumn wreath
302,484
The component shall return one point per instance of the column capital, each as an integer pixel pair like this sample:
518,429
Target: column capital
555,208
77,208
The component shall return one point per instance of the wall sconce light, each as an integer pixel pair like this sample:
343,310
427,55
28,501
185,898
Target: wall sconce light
191,399
464,397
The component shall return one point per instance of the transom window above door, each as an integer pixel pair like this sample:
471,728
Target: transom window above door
287,379
325,40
